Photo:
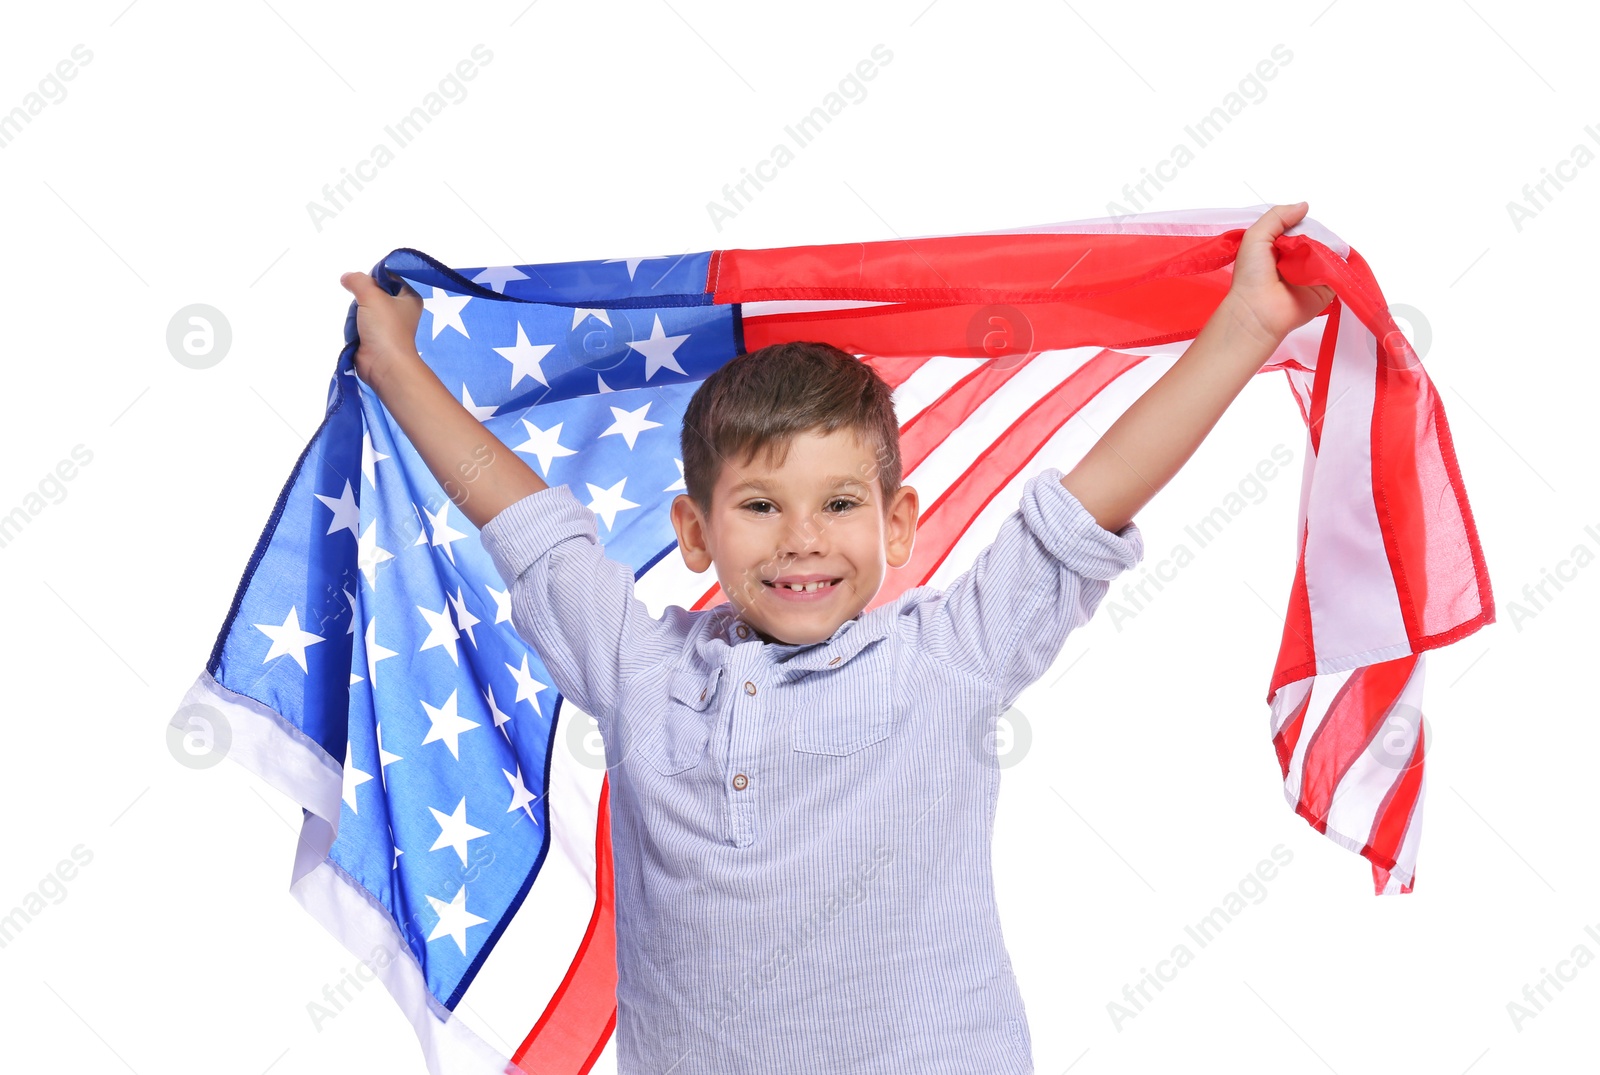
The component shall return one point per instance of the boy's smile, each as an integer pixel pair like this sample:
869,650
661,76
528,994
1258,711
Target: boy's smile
817,522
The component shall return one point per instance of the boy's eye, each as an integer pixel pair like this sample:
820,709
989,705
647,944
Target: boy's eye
846,501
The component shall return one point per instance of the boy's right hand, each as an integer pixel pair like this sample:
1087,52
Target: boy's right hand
386,325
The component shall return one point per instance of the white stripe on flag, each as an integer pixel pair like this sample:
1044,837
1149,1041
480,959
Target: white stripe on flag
1323,691
1373,772
1197,222
1349,585
526,967
1062,450
1286,701
750,311
927,383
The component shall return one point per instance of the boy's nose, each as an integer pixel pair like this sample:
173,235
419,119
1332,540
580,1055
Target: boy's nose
805,537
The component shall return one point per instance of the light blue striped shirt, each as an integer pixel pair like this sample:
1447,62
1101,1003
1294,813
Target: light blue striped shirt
801,833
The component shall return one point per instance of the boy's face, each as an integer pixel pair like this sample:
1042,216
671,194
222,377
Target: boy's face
818,515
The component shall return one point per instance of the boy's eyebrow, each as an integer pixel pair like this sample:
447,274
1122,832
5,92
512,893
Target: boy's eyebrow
766,487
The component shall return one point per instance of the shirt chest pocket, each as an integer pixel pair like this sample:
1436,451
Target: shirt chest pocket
677,741
837,715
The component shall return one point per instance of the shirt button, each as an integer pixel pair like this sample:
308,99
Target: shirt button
744,632
836,660
740,781
749,688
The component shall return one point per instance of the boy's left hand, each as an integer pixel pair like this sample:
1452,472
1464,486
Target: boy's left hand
1266,305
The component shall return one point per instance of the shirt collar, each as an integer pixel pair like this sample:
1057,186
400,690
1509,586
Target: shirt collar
851,637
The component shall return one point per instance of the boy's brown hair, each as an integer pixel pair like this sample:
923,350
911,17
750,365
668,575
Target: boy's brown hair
759,401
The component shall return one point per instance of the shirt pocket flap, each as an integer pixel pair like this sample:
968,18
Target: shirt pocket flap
677,742
695,689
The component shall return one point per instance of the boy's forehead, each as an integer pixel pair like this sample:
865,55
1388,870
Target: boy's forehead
844,462
768,481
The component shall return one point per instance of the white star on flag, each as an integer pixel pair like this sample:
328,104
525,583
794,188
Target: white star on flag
288,638
446,311
581,312
353,777
607,502
370,458
441,630
527,686
543,443
496,276
454,830
370,555
346,512
629,424
525,358
521,797
443,532
454,919
659,350
633,263
447,725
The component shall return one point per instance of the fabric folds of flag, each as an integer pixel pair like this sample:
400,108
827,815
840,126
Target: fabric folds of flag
455,836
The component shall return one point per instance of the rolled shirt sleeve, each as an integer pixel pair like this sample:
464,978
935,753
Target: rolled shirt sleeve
574,605
1005,619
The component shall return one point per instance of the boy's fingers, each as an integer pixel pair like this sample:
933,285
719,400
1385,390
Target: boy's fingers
1278,219
1288,216
357,284
367,291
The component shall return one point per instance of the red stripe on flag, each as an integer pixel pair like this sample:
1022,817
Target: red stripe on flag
1297,652
1380,880
947,519
1288,736
1319,382
1396,488
897,370
572,1033
933,425
1393,816
1070,290
1047,266
1355,713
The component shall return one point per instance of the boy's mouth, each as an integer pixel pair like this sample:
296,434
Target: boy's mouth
808,591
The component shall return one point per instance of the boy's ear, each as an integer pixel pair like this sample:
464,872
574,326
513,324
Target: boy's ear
901,527
691,531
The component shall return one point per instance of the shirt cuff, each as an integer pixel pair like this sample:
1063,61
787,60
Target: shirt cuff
526,530
1070,534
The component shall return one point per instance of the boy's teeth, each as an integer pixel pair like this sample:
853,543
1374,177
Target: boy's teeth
809,587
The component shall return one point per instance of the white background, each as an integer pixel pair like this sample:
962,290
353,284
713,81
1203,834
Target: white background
178,168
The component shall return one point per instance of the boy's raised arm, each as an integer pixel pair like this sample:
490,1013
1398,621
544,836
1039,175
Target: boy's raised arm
1155,436
480,475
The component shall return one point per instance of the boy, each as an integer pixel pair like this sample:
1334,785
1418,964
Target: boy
801,819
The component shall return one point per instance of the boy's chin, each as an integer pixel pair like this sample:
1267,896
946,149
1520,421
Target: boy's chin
798,634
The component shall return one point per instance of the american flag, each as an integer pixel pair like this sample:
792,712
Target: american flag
455,835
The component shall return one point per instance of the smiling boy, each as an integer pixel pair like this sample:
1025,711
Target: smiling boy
801,806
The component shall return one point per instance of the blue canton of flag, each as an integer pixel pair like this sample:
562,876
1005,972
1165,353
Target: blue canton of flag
399,658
